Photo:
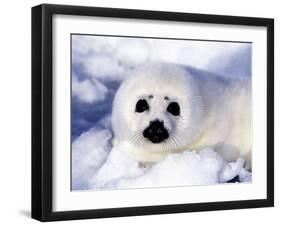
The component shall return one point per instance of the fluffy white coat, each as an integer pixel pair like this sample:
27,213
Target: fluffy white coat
214,112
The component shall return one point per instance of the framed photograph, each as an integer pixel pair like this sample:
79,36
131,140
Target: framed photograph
145,112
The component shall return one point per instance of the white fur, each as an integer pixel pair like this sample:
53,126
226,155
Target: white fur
214,112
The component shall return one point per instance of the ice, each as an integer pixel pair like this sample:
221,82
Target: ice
111,57
89,151
97,166
118,166
231,170
88,91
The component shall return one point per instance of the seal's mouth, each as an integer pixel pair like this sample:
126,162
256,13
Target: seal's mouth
156,132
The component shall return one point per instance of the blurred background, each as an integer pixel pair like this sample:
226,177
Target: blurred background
101,63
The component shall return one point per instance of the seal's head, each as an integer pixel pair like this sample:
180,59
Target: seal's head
157,109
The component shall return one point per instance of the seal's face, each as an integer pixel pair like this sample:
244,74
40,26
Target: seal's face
156,110
157,118
156,132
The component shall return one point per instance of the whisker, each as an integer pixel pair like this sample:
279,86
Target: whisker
136,138
171,145
175,143
166,146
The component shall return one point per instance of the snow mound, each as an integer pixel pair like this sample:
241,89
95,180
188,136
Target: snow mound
89,152
201,167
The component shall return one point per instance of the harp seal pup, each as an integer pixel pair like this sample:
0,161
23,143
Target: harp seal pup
165,108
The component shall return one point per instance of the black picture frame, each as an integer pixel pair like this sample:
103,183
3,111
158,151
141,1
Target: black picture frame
42,106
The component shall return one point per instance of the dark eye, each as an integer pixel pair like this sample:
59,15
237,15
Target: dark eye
174,108
142,106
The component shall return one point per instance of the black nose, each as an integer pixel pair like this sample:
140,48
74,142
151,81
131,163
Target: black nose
156,132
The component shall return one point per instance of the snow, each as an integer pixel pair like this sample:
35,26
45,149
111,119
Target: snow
104,66
100,166
88,91
126,51
89,152
111,57
99,65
